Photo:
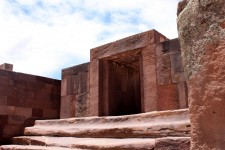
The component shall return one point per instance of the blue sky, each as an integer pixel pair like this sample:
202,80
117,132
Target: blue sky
42,37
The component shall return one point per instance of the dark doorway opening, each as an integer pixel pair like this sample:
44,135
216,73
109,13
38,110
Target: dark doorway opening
120,85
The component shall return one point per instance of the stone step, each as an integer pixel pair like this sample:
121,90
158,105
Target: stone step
31,147
168,143
152,125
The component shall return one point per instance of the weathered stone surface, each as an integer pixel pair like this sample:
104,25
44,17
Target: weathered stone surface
163,69
149,131
129,43
29,147
149,89
154,124
181,5
168,143
176,67
168,97
172,143
67,108
82,105
75,92
202,36
24,96
183,94
89,143
169,63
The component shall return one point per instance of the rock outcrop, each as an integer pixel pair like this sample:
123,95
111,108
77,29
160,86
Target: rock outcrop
201,26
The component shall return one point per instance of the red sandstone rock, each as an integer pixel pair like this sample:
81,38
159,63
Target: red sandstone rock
181,5
202,37
149,85
89,143
172,143
154,124
29,147
168,98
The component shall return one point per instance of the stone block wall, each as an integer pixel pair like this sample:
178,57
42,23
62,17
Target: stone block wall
23,99
137,74
171,84
75,91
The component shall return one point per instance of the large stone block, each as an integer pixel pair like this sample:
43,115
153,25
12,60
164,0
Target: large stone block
37,112
25,93
67,108
3,100
168,97
75,70
21,111
75,83
183,94
7,110
7,91
203,51
3,119
172,143
163,63
63,86
12,130
7,74
130,43
176,67
149,85
4,81
16,120
51,114
82,105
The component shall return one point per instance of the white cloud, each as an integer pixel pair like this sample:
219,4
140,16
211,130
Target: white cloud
44,36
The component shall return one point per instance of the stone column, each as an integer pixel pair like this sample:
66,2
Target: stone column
201,27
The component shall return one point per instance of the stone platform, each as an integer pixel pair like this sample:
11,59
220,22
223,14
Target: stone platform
158,130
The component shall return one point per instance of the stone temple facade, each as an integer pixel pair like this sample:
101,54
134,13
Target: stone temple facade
143,92
137,74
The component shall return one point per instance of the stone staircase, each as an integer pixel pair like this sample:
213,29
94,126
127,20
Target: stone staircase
159,130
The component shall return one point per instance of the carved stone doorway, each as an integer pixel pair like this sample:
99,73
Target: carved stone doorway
120,86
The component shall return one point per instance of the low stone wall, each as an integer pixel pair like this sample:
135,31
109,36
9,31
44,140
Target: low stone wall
23,99
75,92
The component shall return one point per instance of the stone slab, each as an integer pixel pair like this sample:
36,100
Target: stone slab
28,147
173,143
89,143
154,124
